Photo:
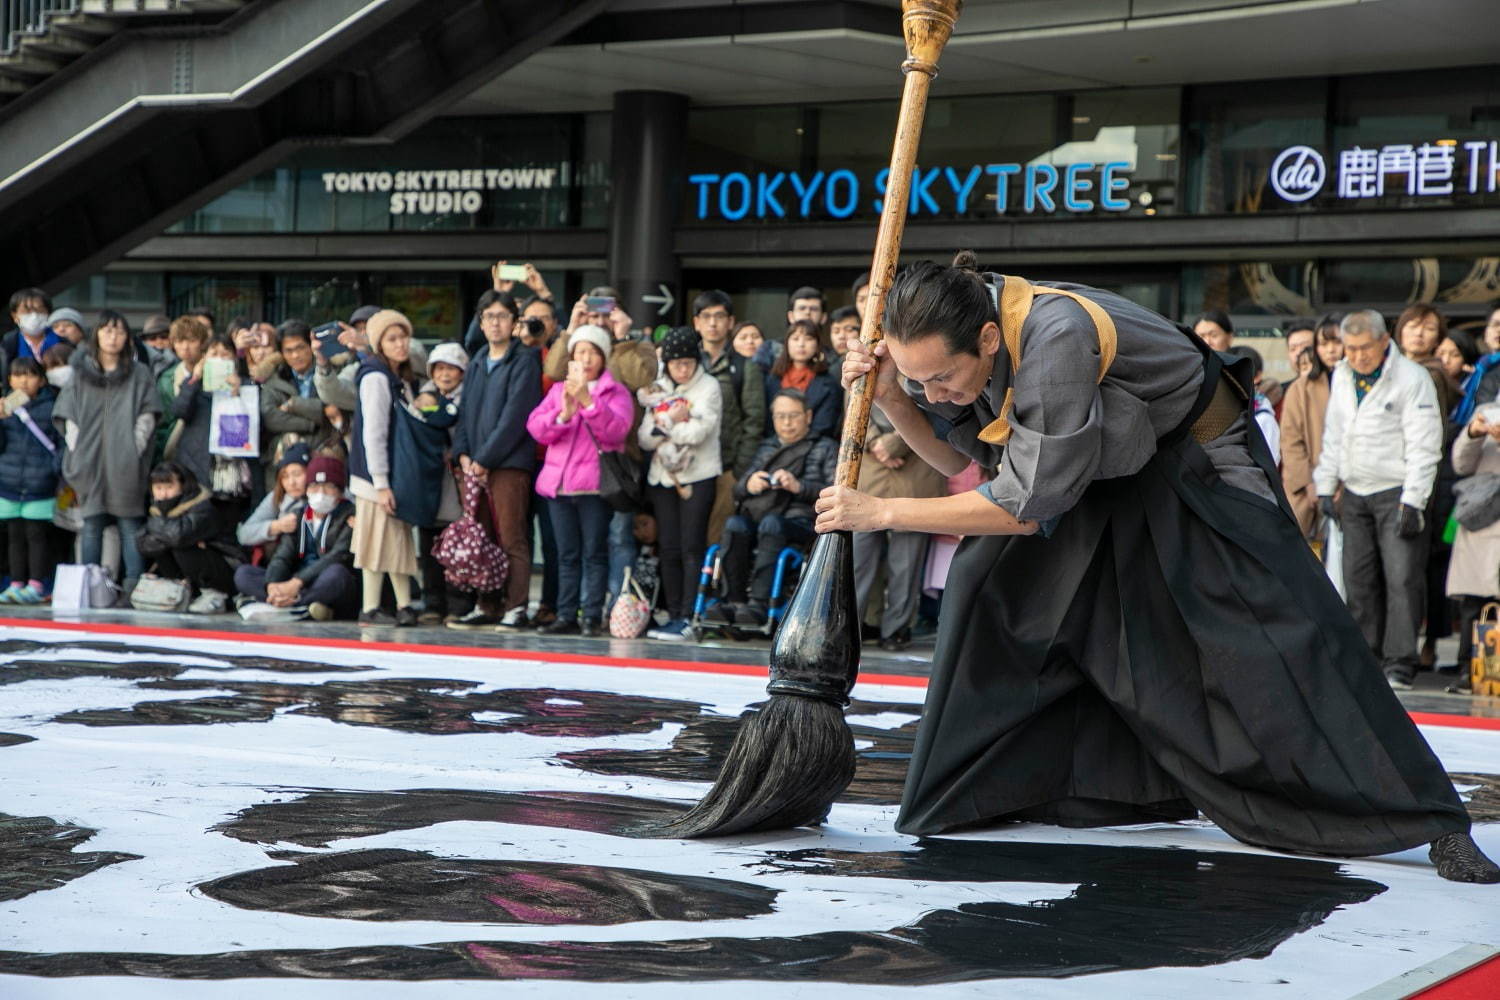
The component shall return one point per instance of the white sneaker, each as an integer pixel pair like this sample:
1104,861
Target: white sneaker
675,630
514,620
209,602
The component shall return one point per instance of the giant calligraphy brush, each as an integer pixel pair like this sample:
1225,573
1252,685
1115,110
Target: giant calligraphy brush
795,755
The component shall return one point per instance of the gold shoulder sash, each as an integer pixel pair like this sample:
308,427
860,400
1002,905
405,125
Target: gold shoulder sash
1016,299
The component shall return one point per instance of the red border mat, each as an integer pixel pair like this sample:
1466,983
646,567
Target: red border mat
1482,982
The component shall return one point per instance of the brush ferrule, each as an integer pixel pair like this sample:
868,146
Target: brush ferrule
807,689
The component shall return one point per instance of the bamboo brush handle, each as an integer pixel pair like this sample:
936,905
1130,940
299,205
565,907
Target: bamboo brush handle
927,25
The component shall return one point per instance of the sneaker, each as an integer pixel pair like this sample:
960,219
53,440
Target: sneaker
430,618
673,631
320,612
513,621
209,602
590,628
30,594
475,619
406,617
10,595
1400,680
376,617
560,626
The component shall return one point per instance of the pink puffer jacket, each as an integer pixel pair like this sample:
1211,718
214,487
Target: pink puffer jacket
572,465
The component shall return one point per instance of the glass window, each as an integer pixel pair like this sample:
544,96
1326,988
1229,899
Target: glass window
536,171
1106,152
1393,283
431,302
1250,289
1235,133
227,295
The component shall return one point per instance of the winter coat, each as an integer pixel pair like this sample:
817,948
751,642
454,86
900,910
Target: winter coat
813,466
492,417
915,478
194,408
256,529
1302,411
419,461
192,519
28,471
1474,567
449,507
743,423
572,463
824,397
107,459
371,443
1394,438
304,421
334,548
695,440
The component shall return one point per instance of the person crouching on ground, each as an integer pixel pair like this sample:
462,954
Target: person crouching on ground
313,565
185,538
585,414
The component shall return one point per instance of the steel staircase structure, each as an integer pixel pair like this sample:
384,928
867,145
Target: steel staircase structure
118,117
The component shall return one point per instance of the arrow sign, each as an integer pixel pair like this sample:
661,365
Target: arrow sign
665,300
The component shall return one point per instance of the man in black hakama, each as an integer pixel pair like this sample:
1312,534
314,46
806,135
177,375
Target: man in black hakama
1166,643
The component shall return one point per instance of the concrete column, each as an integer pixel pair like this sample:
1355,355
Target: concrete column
647,175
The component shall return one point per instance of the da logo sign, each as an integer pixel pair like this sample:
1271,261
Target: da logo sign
1298,173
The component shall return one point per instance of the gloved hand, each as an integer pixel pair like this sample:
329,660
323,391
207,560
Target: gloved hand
1329,508
1412,522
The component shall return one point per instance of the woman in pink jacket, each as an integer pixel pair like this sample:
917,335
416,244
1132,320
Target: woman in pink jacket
587,413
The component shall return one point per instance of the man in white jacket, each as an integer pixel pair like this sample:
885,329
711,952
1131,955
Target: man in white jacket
1382,440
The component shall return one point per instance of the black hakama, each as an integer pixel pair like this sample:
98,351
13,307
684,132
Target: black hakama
1173,647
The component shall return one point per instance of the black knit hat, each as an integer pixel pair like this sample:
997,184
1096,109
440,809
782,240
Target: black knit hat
681,342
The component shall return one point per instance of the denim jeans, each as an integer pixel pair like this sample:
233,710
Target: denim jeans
93,542
580,524
623,549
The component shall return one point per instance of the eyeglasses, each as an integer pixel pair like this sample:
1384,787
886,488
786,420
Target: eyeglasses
494,317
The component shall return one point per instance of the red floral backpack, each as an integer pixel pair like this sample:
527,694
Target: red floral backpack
466,549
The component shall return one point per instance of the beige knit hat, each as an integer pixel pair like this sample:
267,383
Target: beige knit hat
380,324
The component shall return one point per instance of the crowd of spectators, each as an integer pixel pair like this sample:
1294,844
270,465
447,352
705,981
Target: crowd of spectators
112,452
1388,438
115,454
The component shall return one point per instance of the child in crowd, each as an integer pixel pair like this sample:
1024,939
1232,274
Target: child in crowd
446,365
57,364
186,539
29,466
313,565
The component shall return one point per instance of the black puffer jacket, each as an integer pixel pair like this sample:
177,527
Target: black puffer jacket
192,519
28,471
294,546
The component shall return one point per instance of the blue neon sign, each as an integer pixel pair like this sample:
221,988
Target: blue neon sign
1044,188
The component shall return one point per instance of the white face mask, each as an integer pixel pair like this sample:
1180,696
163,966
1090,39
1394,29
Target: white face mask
321,503
60,376
32,323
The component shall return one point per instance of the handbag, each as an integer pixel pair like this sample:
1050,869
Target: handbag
157,593
620,483
79,587
234,423
471,559
1484,668
632,612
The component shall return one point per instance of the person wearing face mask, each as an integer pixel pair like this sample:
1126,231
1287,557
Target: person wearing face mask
57,364
312,566
29,309
186,539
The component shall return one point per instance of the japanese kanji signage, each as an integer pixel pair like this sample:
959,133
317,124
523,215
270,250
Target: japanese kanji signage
1445,168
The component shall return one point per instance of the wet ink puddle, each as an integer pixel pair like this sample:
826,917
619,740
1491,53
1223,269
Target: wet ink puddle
1132,908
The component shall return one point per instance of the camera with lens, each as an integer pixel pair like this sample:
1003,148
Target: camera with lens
535,328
